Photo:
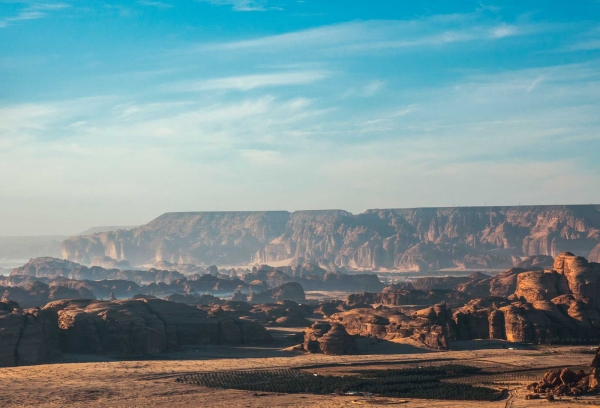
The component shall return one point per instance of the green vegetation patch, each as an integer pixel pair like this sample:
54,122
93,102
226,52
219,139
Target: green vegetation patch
422,382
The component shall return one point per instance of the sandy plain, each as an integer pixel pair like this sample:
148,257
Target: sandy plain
151,383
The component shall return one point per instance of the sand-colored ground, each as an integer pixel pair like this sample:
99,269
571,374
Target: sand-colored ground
151,383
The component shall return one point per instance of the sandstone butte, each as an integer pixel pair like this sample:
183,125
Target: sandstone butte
417,239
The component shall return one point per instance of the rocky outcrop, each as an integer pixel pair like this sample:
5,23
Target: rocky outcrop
582,276
432,326
288,291
446,282
391,296
27,336
557,305
283,313
329,338
301,267
414,239
37,294
145,326
203,300
272,276
532,262
568,382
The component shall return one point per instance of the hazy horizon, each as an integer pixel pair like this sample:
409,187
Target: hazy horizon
113,113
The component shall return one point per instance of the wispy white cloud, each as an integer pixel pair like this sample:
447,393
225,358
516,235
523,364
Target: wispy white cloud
373,35
158,4
249,82
504,30
242,5
33,11
444,143
534,83
585,45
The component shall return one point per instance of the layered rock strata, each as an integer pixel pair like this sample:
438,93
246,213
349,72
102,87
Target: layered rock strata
412,239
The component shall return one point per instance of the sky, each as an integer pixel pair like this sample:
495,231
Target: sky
112,113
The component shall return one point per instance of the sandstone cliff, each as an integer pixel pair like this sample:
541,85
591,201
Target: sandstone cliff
412,239
27,336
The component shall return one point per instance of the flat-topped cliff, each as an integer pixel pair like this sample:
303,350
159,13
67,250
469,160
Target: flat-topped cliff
412,239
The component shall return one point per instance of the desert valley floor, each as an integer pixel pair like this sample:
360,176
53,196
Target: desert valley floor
151,383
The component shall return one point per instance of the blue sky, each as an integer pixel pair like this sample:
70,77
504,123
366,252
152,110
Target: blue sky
115,112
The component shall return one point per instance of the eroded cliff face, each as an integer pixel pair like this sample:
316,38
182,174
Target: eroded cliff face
412,239
27,336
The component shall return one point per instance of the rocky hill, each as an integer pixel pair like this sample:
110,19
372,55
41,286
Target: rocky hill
411,239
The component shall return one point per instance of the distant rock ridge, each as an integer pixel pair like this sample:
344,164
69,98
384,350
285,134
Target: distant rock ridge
419,239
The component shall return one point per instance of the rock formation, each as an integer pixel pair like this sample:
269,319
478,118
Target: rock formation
556,305
391,296
568,382
37,294
288,291
431,326
52,268
283,313
329,338
413,239
145,326
27,336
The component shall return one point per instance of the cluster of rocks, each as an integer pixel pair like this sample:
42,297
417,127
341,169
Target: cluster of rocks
43,280
567,382
48,267
313,277
557,305
283,313
97,282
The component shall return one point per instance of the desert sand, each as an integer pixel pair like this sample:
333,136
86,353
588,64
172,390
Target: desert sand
151,383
